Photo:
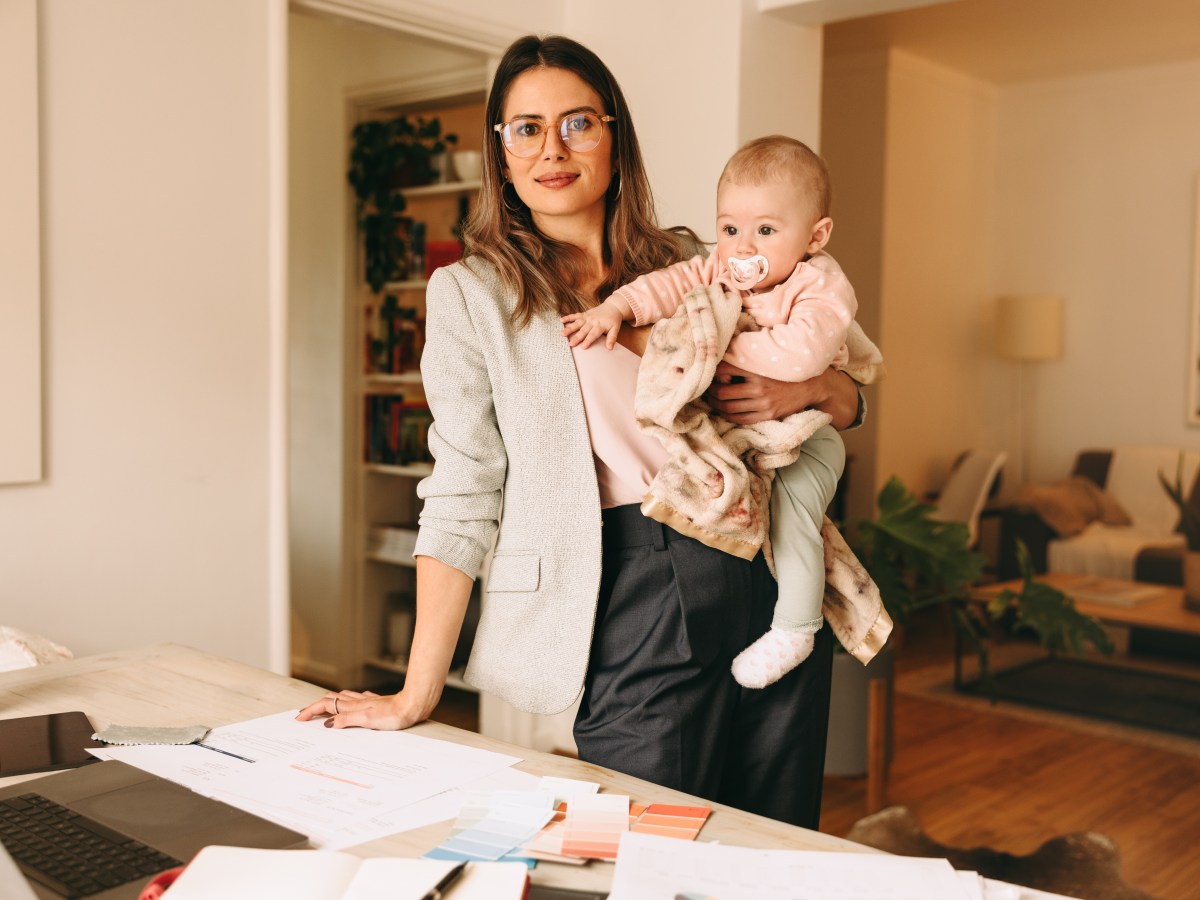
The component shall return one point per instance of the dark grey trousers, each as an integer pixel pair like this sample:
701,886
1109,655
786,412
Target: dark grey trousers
659,701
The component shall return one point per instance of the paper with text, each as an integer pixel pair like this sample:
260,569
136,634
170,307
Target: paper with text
338,786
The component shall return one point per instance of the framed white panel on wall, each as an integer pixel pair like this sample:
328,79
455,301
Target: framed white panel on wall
20,248
1193,392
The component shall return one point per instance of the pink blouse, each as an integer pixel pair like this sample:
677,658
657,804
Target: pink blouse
627,459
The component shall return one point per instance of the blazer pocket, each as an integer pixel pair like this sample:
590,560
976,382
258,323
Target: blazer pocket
515,572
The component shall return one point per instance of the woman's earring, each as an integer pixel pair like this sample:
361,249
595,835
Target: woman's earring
617,193
513,209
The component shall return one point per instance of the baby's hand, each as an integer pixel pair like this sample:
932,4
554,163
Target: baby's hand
583,328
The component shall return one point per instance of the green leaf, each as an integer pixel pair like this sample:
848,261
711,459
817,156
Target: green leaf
1049,614
915,560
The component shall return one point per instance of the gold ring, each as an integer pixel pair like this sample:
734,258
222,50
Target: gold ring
335,709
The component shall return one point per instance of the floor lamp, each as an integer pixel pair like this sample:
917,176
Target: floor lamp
1029,328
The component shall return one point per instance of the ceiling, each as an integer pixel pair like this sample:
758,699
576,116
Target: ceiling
1006,41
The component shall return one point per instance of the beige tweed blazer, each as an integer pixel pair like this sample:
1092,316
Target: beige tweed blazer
513,465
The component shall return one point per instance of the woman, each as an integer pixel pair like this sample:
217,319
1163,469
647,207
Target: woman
644,620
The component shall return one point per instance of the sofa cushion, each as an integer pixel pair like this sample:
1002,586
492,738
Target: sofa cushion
1106,550
1070,505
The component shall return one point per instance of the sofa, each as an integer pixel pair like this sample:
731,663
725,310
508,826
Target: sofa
1112,515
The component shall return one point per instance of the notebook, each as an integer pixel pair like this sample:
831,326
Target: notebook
165,822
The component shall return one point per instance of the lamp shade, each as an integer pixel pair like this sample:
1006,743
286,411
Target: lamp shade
1029,326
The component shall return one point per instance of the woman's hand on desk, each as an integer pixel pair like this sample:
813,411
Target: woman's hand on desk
368,710
442,596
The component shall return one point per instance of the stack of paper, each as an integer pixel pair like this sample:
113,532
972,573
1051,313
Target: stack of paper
650,867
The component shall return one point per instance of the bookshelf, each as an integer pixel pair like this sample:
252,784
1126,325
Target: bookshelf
387,453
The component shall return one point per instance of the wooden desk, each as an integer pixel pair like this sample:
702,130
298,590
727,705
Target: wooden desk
169,684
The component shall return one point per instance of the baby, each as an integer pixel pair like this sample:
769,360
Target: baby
772,223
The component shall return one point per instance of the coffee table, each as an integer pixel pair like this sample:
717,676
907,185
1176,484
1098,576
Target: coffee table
1116,601
1108,689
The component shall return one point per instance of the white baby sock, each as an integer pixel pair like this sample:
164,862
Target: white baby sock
771,657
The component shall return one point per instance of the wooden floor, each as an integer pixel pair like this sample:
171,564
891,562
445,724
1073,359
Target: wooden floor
976,777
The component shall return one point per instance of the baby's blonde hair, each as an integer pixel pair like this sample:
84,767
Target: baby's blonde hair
777,157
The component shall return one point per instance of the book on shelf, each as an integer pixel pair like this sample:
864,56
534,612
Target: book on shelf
396,430
392,542
441,253
395,337
241,873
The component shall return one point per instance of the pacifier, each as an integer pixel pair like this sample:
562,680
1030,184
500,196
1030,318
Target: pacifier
746,273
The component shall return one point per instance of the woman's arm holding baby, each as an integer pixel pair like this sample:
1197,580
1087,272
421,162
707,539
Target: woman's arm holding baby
745,398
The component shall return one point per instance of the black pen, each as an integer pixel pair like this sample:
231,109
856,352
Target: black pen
226,752
438,891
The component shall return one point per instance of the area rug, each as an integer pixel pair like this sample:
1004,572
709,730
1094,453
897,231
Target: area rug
1086,865
1145,699
936,682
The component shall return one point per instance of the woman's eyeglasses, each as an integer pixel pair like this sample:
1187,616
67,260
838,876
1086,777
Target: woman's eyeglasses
580,132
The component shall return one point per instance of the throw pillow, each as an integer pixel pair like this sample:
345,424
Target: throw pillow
1070,505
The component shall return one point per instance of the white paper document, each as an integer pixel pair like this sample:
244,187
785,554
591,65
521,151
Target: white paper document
650,867
238,873
340,787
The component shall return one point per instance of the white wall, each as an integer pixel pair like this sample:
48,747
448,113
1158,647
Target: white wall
910,148
326,59
20,255
779,83
1095,199
853,143
935,293
153,520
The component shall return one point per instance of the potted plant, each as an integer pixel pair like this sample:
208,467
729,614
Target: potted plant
387,156
1189,523
919,562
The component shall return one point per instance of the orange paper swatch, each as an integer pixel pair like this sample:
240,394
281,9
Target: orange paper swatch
664,819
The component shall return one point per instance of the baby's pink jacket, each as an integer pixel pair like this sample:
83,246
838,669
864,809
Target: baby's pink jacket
804,319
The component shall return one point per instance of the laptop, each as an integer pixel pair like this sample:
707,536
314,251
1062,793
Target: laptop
136,824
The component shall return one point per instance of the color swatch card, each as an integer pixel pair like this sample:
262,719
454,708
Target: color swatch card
506,826
594,825
477,805
547,844
564,789
672,821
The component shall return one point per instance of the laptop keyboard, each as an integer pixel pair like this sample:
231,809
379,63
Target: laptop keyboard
70,853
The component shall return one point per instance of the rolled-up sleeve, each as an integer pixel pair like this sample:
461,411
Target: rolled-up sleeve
462,497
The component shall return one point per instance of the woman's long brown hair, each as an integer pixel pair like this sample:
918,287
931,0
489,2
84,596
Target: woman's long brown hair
545,273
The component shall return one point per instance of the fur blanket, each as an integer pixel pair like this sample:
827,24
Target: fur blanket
716,485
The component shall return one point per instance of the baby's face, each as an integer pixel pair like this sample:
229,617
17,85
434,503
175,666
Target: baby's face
775,220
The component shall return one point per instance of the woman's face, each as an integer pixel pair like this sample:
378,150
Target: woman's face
564,190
